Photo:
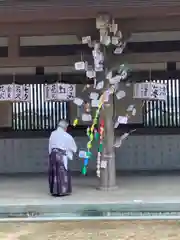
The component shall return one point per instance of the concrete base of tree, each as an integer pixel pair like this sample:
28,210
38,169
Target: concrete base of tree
107,189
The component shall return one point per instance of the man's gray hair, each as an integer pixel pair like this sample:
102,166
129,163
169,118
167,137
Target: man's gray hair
63,124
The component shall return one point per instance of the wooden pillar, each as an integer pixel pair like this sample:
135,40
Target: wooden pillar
13,46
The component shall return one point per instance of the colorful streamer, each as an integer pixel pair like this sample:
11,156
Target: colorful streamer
91,135
101,132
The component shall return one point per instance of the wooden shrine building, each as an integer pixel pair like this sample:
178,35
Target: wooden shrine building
39,43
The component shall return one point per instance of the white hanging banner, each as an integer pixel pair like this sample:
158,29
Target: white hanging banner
150,91
15,93
60,92
6,93
21,93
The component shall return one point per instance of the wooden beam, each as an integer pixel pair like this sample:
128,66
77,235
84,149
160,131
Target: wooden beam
168,23
40,61
57,11
134,58
87,26
147,57
65,27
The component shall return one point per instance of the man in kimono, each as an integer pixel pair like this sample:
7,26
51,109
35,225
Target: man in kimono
61,148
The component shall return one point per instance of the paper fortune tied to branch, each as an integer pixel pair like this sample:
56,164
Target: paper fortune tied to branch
78,101
100,85
120,139
130,108
81,65
120,94
86,117
94,95
90,74
134,112
82,154
121,120
95,102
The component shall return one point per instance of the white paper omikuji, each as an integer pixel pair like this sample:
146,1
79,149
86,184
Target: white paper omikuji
86,39
124,136
94,96
124,75
98,68
103,164
118,50
80,65
82,154
134,112
78,101
119,140
106,40
118,143
90,74
114,28
130,108
121,120
95,103
98,173
119,34
116,124
109,75
115,79
115,40
120,94
100,85
86,117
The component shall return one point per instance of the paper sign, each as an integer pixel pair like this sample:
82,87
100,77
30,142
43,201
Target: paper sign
121,120
86,39
95,103
115,79
123,74
119,140
106,40
120,94
130,108
124,136
94,96
134,112
78,101
86,117
151,91
103,164
80,65
118,143
109,76
100,85
90,74
82,154
118,50
115,40
60,92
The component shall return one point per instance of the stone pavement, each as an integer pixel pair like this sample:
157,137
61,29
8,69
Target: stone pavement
29,194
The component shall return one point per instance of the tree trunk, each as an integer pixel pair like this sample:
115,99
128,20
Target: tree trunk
108,175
